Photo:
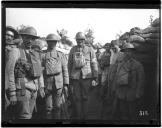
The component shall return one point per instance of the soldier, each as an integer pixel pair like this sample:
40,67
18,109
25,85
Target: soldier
115,52
11,45
25,75
116,55
98,53
104,62
40,45
126,85
56,77
83,72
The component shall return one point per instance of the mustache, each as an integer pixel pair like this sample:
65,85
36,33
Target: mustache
8,41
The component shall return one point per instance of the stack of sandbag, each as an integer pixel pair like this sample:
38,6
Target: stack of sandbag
148,50
146,42
135,36
147,53
152,33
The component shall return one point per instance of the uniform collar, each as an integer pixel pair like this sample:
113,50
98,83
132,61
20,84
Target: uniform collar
84,49
53,53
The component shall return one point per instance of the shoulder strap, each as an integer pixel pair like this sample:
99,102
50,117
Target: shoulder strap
58,54
22,54
47,55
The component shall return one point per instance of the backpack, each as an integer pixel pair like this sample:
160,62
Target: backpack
52,64
36,67
79,60
28,65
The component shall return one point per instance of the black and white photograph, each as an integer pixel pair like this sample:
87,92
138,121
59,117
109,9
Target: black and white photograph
81,65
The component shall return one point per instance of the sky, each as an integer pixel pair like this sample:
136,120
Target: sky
106,23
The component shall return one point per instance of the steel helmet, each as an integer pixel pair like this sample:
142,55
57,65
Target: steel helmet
127,46
40,43
80,35
12,29
52,37
29,31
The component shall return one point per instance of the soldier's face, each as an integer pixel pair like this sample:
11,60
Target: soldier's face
80,42
128,53
27,40
108,49
9,36
115,48
51,44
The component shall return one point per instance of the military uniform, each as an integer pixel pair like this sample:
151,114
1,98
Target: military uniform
54,85
81,79
26,95
11,44
9,113
125,84
104,63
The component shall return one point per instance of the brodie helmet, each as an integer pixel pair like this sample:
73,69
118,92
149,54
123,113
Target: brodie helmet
52,37
80,36
40,44
29,31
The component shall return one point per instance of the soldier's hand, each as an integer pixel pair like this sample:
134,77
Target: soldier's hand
13,100
94,83
42,93
18,41
66,90
138,95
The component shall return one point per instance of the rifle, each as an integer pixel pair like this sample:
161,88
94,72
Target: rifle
64,106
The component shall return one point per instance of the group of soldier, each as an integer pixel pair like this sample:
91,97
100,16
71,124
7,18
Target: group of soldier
35,69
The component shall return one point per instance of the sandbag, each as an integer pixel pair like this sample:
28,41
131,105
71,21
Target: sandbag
136,38
135,30
151,35
156,23
144,47
152,41
146,59
150,30
124,36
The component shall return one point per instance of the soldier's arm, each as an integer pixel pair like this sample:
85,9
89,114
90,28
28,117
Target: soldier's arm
13,57
43,61
94,65
65,70
41,81
140,80
70,61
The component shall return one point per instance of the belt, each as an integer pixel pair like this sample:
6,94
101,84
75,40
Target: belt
32,91
21,82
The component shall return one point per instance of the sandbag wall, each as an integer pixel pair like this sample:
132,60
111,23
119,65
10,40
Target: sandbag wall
147,44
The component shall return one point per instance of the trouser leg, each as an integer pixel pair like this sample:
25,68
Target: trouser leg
79,112
85,88
57,103
49,106
32,102
124,109
132,110
77,105
25,105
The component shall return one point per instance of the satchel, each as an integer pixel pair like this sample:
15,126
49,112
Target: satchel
52,64
79,60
